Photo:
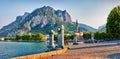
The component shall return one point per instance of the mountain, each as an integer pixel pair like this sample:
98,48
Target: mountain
85,28
102,28
41,20
90,29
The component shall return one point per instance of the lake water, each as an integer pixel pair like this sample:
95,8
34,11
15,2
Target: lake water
14,49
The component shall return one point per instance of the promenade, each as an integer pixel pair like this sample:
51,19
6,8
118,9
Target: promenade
104,50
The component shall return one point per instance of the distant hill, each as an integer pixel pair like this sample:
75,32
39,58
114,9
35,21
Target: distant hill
85,28
42,20
102,28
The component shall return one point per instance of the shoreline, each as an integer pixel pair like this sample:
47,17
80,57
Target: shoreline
42,55
23,40
105,49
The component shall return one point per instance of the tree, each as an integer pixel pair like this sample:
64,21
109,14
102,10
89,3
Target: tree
87,35
100,35
39,36
10,38
113,21
56,37
18,37
25,37
67,36
34,37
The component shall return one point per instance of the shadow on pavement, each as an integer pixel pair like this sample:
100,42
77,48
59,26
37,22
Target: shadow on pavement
94,46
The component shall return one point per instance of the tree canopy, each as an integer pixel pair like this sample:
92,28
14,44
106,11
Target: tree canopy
113,21
30,36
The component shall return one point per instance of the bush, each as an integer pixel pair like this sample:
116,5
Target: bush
39,36
56,37
10,38
18,37
30,36
100,35
87,35
67,37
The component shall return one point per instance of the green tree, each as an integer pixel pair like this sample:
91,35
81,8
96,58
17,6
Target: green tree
10,38
34,37
39,36
113,22
18,37
87,35
56,36
100,35
67,36
72,36
25,37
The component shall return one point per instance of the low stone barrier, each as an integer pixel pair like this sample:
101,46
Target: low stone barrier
42,55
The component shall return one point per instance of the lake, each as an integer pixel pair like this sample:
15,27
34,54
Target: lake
14,49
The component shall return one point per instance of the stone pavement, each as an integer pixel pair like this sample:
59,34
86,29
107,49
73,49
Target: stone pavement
90,51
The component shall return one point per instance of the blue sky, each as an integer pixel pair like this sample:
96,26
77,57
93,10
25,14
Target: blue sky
91,12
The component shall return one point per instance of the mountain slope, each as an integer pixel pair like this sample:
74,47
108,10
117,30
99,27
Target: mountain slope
41,20
41,17
85,28
90,29
102,28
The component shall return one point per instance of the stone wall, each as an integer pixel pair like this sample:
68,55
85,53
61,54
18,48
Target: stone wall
42,55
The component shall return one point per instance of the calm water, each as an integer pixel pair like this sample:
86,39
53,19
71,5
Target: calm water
13,49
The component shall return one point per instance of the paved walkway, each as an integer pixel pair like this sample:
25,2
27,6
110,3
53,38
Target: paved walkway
106,50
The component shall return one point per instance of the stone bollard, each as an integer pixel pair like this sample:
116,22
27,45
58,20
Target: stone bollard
75,39
92,37
51,40
61,37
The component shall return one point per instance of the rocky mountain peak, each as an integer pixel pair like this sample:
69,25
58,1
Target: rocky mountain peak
39,18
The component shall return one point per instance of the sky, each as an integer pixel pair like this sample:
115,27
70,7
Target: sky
91,12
